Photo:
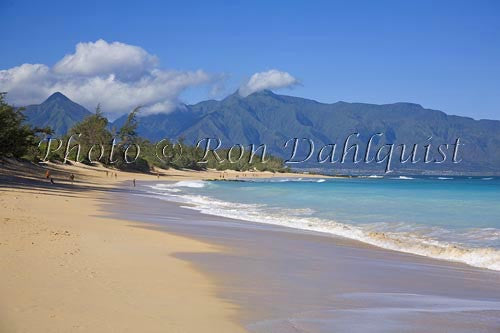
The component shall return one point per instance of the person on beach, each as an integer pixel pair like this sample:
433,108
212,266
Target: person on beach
116,175
47,174
133,181
72,178
52,180
106,174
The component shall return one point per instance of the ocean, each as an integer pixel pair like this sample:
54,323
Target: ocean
447,218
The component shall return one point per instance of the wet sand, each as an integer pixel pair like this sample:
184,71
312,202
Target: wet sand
286,280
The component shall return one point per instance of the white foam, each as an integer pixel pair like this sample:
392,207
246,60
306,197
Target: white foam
164,187
419,240
404,177
286,180
444,178
190,183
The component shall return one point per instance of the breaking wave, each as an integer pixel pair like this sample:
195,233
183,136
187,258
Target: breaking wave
406,238
190,183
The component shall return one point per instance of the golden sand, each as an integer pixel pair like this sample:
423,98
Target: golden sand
65,268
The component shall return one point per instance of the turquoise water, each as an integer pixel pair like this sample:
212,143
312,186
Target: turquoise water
450,218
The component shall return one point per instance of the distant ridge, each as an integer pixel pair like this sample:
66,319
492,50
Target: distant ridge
58,112
266,117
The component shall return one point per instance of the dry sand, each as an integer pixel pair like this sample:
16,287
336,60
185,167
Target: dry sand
64,268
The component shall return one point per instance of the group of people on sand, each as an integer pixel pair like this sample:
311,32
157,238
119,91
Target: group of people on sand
223,175
112,174
48,175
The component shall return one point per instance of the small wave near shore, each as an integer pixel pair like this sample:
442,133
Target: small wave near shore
407,241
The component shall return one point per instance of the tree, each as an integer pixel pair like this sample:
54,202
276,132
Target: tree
93,131
128,132
16,137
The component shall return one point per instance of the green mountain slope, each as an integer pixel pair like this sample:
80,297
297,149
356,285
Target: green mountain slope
265,117
58,112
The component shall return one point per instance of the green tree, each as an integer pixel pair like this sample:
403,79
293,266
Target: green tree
131,144
128,132
93,130
16,137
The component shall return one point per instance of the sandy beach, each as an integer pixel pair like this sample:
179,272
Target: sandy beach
288,280
65,267
100,255
259,167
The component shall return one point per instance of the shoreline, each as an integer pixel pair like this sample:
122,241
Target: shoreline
97,274
268,281
109,259
66,267
479,257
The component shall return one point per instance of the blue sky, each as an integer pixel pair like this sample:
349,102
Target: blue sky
441,54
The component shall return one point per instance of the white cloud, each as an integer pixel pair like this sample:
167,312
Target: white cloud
272,79
123,60
117,75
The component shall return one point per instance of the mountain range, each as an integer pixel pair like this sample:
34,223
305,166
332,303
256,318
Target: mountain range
266,117
57,112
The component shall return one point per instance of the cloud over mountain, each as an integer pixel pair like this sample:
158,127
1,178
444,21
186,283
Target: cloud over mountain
117,75
272,79
123,60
